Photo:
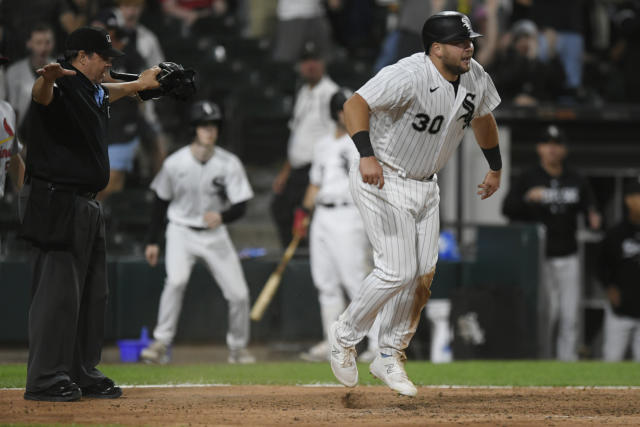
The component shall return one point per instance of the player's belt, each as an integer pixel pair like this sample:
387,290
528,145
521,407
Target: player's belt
52,186
334,205
198,228
403,174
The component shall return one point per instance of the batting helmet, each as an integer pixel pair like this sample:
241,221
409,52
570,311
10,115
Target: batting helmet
336,103
446,27
203,112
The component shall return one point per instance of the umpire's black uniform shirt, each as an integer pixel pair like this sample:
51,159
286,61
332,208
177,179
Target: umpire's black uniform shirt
69,136
67,163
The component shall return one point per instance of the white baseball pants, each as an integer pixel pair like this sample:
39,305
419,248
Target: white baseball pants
340,259
402,222
561,281
215,249
619,332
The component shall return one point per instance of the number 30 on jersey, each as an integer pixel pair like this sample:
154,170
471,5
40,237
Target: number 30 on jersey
423,122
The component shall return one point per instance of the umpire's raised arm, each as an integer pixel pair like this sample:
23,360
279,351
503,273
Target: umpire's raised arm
146,80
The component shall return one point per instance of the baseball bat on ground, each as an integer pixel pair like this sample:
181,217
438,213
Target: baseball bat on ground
271,286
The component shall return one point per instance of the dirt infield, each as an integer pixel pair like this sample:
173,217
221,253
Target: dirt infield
277,405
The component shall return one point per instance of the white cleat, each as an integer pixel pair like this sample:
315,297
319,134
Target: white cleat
241,356
156,352
390,369
343,360
317,353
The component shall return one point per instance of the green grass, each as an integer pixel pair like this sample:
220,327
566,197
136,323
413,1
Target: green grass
476,373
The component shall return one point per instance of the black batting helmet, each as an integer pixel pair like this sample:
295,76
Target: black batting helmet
204,112
336,103
446,27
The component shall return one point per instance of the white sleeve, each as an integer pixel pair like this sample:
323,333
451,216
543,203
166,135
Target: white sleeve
15,146
387,90
491,99
237,184
161,184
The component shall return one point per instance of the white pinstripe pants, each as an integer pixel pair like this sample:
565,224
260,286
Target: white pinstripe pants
402,222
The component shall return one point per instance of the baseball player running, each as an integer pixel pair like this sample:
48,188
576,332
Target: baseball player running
339,248
406,122
200,188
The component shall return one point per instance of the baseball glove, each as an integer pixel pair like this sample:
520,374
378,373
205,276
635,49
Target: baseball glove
175,82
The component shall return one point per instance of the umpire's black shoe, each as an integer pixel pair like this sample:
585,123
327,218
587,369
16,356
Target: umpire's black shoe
62,391
104,389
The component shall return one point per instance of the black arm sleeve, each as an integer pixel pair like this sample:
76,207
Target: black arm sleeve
234,212
158,218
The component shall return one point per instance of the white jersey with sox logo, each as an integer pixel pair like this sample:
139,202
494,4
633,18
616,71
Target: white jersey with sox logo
417,119
192,189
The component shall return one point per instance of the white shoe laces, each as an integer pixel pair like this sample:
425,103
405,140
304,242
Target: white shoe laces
343,356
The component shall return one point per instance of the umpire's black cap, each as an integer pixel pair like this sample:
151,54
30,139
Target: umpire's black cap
446,27
553,134
92,39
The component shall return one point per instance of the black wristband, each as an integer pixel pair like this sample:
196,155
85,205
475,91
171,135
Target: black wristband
493,157
363,143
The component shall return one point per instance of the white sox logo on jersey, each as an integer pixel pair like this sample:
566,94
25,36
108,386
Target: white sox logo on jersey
470,107
219,188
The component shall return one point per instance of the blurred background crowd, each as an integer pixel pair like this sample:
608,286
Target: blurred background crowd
551,61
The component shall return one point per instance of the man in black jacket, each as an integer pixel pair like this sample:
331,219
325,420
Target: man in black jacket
67,165
553,194
621,268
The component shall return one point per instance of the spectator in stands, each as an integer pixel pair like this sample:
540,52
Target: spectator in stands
189,11
623,84
146,43
18,17
299,22
561,24
520,76
553,194
621,268
406,39
78,14
21,75
310,122
261,18
128,123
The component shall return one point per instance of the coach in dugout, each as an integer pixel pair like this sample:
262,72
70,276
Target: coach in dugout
67,164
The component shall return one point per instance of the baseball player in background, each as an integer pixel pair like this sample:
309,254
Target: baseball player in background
339,249
10,147
200,188
621,270
406,122
554,194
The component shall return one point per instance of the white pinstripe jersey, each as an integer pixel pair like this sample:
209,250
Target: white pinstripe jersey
332,159
416,121
194,188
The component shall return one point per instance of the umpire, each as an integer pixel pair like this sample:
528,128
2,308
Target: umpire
67,164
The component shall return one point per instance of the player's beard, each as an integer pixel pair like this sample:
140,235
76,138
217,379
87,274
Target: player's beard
455,69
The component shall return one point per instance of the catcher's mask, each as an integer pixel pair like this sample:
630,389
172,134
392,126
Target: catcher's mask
447,27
